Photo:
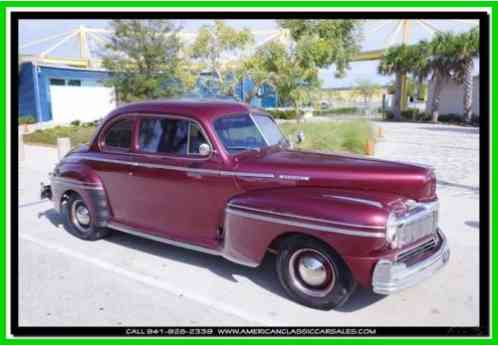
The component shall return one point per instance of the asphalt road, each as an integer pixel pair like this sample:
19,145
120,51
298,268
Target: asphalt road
125,280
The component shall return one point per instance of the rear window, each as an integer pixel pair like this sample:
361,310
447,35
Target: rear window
120,134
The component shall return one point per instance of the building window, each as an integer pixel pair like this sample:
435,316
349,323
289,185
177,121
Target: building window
74,82
57,81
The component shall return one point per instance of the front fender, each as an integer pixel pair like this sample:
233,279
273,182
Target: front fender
351,222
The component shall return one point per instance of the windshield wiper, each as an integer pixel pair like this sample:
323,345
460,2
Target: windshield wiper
242,148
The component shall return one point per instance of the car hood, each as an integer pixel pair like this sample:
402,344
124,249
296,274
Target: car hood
301,168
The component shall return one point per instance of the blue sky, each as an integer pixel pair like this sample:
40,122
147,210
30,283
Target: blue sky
376,34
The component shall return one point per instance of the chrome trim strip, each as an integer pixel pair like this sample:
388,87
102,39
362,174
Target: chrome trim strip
247,174
359,200
76,183
182,169
305,225
126,229
293,177
225,253
390,277
304,217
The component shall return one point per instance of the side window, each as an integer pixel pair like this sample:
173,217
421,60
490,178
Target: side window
170,136
120,134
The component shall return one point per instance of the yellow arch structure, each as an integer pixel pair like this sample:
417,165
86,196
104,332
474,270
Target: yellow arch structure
85,35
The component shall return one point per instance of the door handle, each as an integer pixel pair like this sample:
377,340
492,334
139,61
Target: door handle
132,168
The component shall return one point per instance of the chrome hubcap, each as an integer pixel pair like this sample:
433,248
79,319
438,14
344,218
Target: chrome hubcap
80,216
311,272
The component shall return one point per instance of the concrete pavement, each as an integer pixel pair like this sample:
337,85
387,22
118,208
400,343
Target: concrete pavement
126,280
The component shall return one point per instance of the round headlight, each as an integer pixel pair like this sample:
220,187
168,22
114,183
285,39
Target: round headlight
392,230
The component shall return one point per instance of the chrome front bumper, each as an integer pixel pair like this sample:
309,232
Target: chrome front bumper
391,277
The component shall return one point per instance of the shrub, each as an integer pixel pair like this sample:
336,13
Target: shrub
77,134
93,123
75,123
282,114
415,114
408,115
26,120
343,110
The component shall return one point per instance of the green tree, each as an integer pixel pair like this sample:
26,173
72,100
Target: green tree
466,47
365,89
213,46
278,65
399,60
143,56
321,43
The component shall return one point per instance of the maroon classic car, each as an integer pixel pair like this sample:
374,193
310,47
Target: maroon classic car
219,177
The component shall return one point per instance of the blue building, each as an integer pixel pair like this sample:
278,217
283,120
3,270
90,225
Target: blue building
37,83
266,97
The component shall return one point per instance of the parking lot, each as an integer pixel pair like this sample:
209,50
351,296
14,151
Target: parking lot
126,280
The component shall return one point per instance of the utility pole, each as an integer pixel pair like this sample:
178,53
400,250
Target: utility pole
404,88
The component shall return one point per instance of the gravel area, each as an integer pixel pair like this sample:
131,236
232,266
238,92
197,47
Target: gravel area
452,150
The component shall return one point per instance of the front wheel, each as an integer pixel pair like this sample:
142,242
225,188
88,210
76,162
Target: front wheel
313,274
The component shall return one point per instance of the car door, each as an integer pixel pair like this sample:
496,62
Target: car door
113,163
181,193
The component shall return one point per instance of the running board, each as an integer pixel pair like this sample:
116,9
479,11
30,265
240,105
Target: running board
133,231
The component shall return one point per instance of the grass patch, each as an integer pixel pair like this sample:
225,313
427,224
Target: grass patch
348,136
77,134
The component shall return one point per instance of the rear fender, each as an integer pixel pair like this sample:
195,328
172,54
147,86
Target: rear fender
79,178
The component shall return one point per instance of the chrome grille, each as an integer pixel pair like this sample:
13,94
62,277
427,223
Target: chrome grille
418,225
428,246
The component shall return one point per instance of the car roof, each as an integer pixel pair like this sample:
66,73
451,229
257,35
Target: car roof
202,110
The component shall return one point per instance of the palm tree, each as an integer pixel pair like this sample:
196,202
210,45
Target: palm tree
442,63
421,68
466,46
399,60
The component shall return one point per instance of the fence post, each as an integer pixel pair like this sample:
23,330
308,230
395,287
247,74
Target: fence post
380,132
369,147
63,146
21,144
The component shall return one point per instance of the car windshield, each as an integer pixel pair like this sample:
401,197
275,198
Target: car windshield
248,132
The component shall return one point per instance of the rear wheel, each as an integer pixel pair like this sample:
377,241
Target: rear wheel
313,274
79,220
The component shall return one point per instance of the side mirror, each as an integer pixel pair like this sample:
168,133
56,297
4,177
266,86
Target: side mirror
204,149
299,137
